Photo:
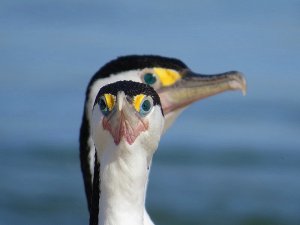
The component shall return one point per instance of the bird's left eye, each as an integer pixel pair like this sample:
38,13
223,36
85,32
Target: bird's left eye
146,106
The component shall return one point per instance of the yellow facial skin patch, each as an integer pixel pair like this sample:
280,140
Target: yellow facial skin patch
167,76
110,101
137,100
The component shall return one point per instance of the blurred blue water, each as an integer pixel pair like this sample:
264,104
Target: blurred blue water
236,160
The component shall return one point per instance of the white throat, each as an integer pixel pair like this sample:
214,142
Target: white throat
124,177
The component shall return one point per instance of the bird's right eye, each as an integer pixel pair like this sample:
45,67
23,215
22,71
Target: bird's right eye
103,106
149,78
106,103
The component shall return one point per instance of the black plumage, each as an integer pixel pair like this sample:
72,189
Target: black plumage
130,88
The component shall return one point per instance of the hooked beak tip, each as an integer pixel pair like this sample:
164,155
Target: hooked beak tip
120,107
120,99
239,83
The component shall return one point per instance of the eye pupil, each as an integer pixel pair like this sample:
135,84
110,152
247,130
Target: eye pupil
146,105
149,78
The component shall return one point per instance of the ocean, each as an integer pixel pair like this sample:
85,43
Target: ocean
228,159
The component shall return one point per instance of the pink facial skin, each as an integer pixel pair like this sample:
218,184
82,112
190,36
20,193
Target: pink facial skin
124,129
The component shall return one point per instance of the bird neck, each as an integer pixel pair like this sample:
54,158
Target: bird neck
124,177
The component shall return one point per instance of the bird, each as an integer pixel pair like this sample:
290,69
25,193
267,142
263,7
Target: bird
176,84
127,124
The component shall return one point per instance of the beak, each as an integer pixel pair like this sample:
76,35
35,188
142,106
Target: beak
193,87
121,97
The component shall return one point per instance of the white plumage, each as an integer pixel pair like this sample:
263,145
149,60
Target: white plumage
125,167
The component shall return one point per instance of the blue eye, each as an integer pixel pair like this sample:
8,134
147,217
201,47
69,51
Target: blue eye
149,78
103,106
146,106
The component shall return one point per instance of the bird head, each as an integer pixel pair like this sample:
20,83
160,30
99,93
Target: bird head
126,114
176,85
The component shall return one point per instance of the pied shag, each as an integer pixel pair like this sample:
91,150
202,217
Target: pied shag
175,83
127,123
